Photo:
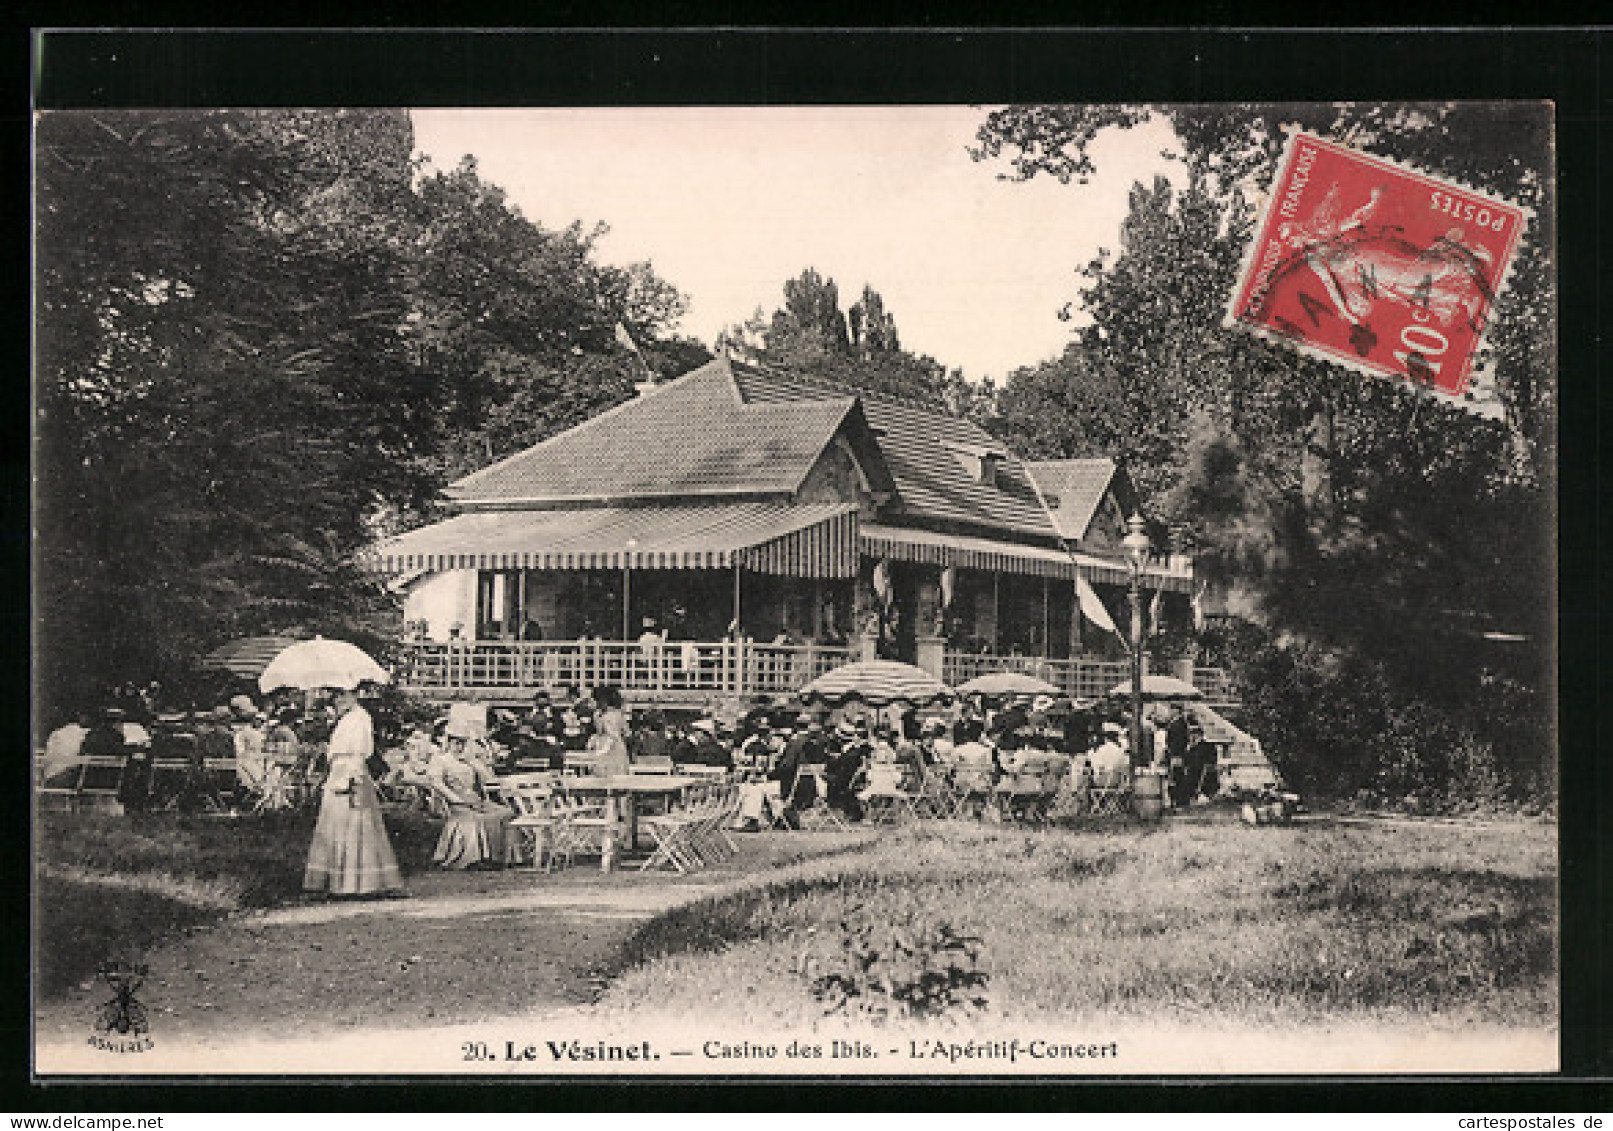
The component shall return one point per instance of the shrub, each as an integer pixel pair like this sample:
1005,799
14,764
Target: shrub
1337,725
895,970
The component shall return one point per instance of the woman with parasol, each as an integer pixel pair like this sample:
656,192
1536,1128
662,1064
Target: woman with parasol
350,853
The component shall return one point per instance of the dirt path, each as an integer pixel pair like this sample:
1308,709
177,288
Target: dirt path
463,948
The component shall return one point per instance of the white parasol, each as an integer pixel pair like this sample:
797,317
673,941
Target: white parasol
315,663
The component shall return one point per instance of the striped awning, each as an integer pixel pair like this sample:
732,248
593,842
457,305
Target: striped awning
776,538
927,547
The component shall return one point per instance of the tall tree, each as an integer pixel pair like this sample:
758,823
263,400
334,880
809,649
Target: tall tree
518,323
1371,528
259,340
860,349
222,387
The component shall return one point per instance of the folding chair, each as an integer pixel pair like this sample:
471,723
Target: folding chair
672,833
579,824
64,783
935,798
971,789
710,838
533,802
1111,792
820,814
220,781
581,762
885,799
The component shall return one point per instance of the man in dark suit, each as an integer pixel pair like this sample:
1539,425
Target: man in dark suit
804,748
1177,739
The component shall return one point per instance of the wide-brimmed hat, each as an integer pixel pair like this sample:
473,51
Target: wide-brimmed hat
459,728
846,730
1042,703
242,705
706,725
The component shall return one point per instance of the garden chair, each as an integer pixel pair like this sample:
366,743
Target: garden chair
579,825
971,790
935,798
581,763
535,816
819,814
692,836
673,833
65,783
680,833
1111,792
702,771
709,833
885,798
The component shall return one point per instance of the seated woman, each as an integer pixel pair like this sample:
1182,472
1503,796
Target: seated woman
476,832
609,743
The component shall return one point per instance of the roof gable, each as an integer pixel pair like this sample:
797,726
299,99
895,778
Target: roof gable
921,447
1075,490
695,436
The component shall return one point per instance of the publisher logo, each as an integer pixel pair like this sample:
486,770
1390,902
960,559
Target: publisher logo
121,1024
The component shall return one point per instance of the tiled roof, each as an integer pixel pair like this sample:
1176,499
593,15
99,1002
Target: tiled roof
694,436
733,428
921,447
1079,486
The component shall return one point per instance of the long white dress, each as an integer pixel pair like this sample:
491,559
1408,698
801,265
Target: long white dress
350,853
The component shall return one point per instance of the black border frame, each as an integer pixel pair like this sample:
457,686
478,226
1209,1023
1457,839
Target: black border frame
732,65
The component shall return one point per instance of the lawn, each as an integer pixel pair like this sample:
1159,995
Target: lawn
1180,921
111,885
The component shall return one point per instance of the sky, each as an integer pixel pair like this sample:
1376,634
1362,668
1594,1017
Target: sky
728,203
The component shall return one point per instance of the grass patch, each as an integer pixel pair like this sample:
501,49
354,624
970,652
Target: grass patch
1253,925
111,886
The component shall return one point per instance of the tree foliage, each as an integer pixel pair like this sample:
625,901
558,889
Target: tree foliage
859,349
1348,517
258,333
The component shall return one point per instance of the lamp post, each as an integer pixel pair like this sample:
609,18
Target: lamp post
627,586
1136,546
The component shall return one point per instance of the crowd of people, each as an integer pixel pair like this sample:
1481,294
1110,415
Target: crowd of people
786,759
238,735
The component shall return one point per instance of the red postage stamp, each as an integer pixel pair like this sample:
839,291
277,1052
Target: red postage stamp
1359,261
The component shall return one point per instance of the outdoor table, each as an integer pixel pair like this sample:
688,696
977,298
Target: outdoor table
621,793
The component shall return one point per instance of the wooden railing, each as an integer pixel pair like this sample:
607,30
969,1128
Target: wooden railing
1082,678
1077,678
675,668
704,668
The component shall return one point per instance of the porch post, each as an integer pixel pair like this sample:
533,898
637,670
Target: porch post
929,641
996,612
1047,640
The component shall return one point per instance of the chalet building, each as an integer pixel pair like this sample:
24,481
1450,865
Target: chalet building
739,530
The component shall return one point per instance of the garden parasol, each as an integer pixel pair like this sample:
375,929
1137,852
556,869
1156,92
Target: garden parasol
1160,687
878,683
1007,683
310,664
